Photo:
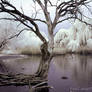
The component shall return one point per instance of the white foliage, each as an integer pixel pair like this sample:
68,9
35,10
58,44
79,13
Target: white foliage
64,42
73,45
89,43
72,39
83,32
60,36
30,39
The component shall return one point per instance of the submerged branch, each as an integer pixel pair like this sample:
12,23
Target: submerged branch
19,79
38,79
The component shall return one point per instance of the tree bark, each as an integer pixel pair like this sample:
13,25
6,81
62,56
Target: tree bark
51,43
44,50
51,39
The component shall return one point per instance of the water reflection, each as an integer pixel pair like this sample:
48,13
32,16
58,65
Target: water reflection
31,65
21,65
42,90
14,89
63,72
75,69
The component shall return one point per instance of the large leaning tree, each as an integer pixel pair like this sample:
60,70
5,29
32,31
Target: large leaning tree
64,10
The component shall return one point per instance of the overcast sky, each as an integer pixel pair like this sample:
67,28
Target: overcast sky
28,10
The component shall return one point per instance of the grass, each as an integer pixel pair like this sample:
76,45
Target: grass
82,50
29,50
57,51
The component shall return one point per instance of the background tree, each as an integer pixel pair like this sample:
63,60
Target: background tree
64,10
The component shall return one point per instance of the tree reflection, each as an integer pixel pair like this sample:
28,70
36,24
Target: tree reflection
44,67
37,82
43,73
77,67
28,65
3,68
82,72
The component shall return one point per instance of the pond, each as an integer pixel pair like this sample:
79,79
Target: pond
66,73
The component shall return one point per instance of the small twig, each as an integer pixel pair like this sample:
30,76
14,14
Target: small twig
9,19
42,83
44,87
30,87
66,19
40,20
16,35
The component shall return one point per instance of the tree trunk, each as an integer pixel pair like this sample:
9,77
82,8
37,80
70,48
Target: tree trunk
51,41
47,47
44,50
44,47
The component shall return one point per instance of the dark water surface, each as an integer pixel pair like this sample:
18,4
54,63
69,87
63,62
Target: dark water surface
67,73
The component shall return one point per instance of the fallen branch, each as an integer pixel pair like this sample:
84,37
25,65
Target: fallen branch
20,79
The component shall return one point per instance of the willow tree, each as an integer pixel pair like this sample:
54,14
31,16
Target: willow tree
71,8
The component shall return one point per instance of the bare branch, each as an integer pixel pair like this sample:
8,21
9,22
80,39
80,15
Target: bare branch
22,10
5,41
9,19
41,5
34,15
16,35
20,17
3,44
66,19
45,2
84,22
43,21
74,18
70,7
90,10
46,13
52,4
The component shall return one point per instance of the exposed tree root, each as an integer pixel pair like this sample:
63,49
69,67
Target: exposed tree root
19,79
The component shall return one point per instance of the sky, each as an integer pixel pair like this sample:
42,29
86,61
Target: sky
27,6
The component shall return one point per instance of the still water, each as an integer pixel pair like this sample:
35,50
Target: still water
67,73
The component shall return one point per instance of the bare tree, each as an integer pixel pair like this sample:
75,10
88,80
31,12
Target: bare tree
71,8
